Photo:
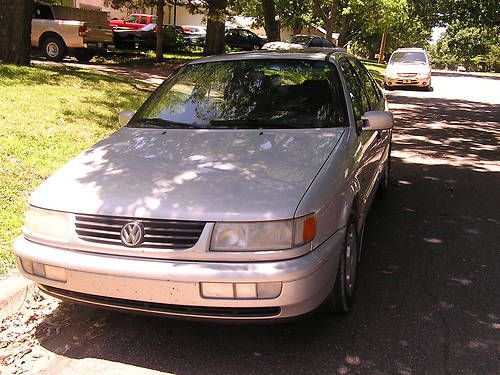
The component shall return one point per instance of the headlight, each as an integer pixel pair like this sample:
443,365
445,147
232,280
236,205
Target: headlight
46,224
423,75
265,235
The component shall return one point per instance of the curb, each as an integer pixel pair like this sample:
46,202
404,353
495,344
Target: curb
14,290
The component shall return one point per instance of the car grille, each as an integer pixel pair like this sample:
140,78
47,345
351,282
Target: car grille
161,234
407,75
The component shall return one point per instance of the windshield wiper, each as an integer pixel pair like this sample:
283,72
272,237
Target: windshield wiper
252,124
162,123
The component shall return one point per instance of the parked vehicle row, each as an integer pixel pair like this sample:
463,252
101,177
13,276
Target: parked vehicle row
57,38
151,219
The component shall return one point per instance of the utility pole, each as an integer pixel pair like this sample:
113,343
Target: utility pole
382,48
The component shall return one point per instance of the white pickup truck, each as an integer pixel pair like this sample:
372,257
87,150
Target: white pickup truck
57,36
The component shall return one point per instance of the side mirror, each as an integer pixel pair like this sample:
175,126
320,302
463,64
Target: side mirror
377,120
124,117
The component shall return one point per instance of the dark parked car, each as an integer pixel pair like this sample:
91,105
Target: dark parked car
243,39
145,38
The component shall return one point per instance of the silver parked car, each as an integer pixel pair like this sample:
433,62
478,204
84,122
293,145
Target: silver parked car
239,190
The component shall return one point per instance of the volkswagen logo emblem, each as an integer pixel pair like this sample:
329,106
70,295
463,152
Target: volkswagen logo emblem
132,234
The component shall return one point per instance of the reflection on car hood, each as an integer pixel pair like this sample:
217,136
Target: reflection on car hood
191,174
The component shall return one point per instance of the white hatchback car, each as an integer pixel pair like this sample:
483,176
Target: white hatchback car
408,67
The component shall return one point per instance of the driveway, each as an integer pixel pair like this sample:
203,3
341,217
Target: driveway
427,298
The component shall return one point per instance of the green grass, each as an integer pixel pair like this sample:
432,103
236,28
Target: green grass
47,116
377,70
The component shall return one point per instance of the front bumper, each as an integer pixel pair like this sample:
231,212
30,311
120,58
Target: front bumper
174,287
407,81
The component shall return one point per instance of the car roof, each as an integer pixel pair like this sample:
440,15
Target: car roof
410,50
302,54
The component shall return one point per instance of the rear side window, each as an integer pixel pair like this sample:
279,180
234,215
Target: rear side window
43,12
359,100
370,90
326,43
316,42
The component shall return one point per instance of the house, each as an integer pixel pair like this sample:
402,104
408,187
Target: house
177,14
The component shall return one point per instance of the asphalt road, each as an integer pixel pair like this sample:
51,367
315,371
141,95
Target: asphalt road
428,300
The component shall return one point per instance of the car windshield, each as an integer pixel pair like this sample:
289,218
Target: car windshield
299,39
408,58
255,93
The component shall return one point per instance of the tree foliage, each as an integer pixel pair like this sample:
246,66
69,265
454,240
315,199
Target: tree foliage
474,47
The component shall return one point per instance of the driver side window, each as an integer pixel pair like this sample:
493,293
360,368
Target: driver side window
359,100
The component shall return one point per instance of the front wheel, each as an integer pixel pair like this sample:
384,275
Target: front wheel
342,296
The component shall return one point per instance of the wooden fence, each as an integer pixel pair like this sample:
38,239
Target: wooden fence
97,17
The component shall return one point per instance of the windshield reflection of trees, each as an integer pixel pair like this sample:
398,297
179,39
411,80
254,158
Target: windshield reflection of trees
307,93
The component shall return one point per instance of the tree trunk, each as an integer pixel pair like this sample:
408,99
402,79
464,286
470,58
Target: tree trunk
371,52
216,18
160,10
329,30
15,31
344,31
271,24
329,17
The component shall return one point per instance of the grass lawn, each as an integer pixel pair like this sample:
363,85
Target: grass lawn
377,70
47,116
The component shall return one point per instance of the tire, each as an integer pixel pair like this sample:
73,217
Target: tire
53,48
84,55
341,299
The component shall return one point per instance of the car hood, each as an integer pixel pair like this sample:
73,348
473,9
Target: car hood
185,174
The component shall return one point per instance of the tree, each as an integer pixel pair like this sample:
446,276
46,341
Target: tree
271,24
15,31
135,4
475,47
329,13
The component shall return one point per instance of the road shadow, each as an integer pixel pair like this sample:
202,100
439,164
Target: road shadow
426,290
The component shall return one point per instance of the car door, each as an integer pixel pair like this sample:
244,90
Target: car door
248,40
232,38
365,153
131,22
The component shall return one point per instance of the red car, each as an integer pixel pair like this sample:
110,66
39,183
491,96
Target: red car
134,21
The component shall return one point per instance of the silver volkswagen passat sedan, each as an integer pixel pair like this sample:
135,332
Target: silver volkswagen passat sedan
239,190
